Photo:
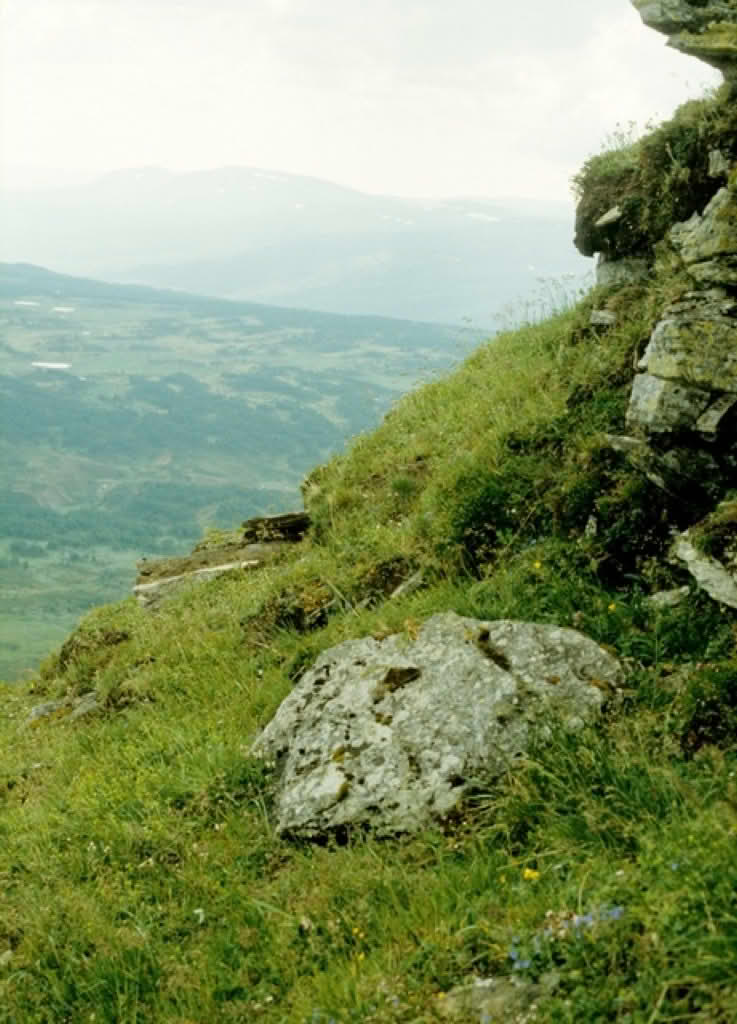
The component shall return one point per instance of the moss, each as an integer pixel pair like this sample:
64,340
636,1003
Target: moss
716,535
708,708
657,181
716,45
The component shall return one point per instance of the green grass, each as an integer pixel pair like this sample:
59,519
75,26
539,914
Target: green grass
657,180
140,877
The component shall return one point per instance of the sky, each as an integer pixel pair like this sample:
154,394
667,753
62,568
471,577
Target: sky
404,97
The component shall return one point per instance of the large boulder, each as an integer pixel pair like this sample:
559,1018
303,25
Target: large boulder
390,733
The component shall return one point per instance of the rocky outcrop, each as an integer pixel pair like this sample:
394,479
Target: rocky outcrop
689,381
260,541
614,273
151,594
706,29
290,528
391,733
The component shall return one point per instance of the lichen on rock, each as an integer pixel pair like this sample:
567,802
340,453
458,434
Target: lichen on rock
389,734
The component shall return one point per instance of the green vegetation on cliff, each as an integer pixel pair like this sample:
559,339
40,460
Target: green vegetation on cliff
657,180
141,879
140,876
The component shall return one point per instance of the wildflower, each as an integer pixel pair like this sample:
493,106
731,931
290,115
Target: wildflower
612,607
530,875
538,565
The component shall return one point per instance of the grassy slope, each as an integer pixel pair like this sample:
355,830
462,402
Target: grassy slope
139,876
140,879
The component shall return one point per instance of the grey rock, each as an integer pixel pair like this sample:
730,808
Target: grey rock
68,708
709,421
45,710
610,217
150,595
718,164
707,243
627,270
700,28
690,359
701,351
721,271
676,470
626,445
667,598
602,318
391,733
674,15
290,527
710,575
85,705
659,406
510,1000
415,582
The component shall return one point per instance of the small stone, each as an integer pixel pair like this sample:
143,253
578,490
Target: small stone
415,582
510,999
667,598
602,318
87,704
150,595
610,217
718,164
710,575
45,710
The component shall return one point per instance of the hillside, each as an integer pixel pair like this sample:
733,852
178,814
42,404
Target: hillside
133,419
574,473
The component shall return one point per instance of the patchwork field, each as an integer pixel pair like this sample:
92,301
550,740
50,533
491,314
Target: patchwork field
132,420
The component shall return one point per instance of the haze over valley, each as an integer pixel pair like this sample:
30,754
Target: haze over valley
265,236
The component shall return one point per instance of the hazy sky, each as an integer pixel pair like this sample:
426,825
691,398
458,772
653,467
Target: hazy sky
410,97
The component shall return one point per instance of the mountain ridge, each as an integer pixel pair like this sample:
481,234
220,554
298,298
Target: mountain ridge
266,237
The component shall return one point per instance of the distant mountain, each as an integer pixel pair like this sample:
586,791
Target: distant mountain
262,236
132,419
